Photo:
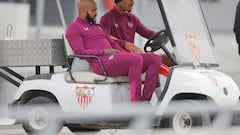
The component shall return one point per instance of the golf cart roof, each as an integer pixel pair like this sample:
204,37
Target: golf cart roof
188,32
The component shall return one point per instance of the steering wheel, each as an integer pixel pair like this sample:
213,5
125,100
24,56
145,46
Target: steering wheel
156,42
159,41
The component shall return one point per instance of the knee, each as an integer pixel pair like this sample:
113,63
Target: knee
136,60
157,59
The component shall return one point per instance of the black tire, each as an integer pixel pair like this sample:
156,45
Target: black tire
182,121
42,116
75,128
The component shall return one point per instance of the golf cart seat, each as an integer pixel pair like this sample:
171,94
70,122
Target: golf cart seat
81,72
91,77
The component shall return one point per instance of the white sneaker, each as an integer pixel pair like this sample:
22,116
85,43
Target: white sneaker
156,96
158,92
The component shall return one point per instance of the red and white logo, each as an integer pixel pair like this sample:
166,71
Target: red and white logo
84,95
193,43
210,77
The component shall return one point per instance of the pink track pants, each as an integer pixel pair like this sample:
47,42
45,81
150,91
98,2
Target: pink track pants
133,65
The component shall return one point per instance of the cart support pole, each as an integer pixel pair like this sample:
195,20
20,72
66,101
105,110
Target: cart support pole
10,71
9,79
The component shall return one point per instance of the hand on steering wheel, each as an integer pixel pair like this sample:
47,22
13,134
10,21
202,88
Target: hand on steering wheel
157,41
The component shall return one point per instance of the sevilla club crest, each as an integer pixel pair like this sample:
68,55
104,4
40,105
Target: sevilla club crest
193,43
84,95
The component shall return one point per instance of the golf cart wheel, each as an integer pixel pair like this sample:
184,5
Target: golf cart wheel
75,128
182,121
41,116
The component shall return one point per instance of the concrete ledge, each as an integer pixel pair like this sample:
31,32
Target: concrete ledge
6,121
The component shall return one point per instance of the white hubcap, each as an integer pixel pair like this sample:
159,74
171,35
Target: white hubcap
182,122
38,118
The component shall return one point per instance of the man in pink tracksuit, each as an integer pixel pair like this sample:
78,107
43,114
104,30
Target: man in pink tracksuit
123,25
86,37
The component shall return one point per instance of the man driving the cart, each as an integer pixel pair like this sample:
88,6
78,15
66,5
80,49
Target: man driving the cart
123,25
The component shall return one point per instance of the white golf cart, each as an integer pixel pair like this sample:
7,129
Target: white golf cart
86,94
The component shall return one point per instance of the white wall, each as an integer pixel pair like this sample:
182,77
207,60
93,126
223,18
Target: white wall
16,15
220,15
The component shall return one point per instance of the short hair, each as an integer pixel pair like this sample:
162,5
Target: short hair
84,4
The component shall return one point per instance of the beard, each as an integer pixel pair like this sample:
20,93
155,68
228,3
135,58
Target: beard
90,19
